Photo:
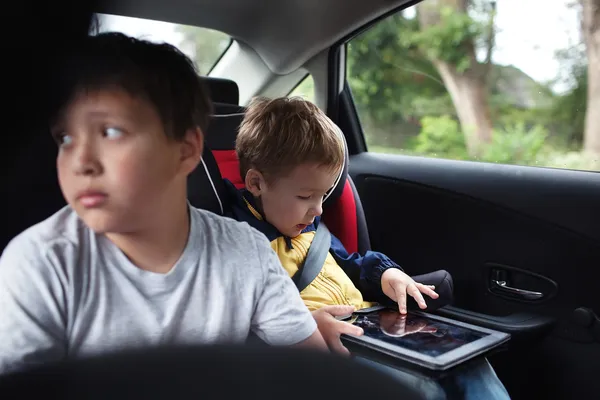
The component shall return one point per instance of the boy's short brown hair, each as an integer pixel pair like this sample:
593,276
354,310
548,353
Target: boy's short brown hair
158,73
278,135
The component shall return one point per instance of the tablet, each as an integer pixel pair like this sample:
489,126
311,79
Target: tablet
427,340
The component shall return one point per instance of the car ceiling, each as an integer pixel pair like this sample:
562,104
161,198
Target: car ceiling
284,33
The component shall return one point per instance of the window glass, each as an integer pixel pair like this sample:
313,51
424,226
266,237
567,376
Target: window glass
476,80
305,89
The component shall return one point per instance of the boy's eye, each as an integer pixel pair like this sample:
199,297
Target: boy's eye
62,139
113,133
66,140
304,197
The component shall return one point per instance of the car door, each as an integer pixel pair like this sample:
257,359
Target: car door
518,231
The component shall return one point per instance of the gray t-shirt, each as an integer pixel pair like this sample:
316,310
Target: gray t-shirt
68,292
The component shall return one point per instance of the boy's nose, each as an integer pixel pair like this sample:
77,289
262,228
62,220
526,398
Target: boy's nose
318,210
86,162
88,169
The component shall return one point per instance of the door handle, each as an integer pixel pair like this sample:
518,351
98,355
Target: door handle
522,293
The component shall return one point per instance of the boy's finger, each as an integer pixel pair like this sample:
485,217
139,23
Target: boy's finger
337,347
413,290
338,311
426,289
349,329
401,298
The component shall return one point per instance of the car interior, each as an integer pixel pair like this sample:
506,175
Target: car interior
521,242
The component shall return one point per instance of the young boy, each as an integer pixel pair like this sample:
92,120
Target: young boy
128,262
290,154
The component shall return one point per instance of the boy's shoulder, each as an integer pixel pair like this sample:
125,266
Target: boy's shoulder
225,243
63,228
225,229
47,253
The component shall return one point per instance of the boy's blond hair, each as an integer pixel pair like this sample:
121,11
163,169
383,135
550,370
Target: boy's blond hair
280,134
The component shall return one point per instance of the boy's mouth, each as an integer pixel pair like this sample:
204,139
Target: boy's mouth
92,199
301,226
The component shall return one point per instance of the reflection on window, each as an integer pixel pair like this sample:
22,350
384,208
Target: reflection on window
204,46
480,82
305,89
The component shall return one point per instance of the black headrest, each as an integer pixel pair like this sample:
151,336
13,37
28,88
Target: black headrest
223,130
222,90
206,189
226,109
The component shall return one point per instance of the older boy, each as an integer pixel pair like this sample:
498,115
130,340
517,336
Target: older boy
128,262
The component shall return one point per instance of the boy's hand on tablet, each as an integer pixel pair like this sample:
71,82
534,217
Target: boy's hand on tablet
397,285
331,328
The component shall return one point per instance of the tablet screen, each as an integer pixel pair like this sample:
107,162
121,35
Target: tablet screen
414,332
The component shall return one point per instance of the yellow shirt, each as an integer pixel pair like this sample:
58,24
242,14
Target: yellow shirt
331,287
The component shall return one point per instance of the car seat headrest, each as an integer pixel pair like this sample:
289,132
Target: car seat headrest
222,131
222,90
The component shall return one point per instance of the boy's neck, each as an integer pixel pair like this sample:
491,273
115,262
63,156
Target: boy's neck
159,247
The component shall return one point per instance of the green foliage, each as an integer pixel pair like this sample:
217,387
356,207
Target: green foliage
516,144
571,160
450,39
512,144
392,82
440,136
404,106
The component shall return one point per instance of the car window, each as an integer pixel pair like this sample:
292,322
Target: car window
478,81
204,46
305,89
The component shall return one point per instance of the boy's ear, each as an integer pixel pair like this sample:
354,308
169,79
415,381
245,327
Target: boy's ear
192,147
254,182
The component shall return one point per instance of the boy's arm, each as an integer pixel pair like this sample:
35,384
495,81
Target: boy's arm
280,316
314,342
32,315
365,271
380,279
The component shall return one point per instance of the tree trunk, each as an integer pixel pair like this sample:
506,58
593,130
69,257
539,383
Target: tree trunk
469,96
590,25
467,89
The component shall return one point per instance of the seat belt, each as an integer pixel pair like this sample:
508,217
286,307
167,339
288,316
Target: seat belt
315,259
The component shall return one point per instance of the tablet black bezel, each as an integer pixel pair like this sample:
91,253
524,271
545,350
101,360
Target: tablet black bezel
443,361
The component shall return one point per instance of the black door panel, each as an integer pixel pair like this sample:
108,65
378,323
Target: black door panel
533,229
426,227
567,198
